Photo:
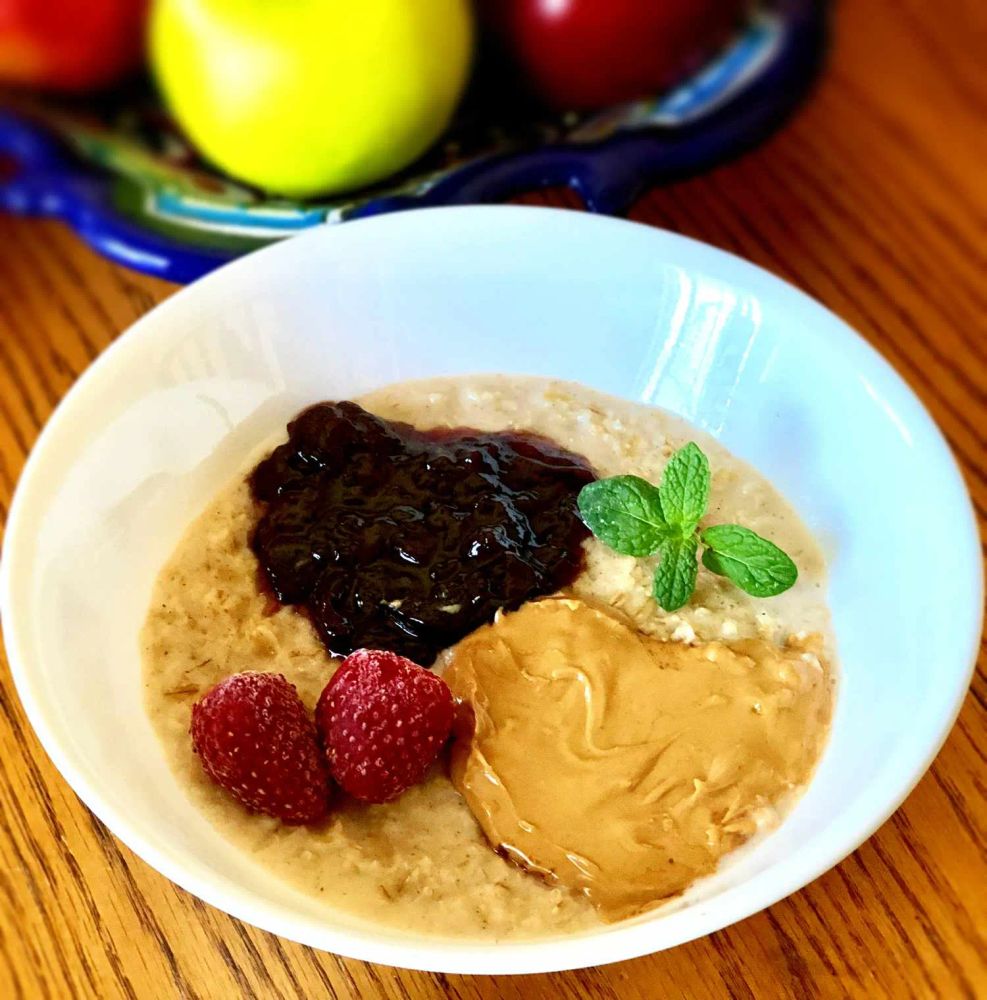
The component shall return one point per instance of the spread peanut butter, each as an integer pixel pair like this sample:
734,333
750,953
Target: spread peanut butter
624,766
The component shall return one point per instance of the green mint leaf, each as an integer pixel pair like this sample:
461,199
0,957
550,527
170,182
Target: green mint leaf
684,489
753,563
624,512
675,577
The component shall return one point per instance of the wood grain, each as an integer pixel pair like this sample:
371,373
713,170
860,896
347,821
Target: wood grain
874,200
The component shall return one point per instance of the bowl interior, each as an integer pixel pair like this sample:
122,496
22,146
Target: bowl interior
167,416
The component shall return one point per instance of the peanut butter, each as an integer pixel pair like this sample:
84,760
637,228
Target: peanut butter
624,766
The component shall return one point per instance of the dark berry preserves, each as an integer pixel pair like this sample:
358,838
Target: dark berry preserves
406,540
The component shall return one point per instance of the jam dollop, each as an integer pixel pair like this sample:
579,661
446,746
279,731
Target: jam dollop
407,540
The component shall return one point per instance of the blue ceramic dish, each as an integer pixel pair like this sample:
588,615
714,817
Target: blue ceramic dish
124,179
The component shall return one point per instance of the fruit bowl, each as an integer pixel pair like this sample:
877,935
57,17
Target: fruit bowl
168,414
122,175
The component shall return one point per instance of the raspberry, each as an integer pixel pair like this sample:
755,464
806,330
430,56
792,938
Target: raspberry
256,740
383,720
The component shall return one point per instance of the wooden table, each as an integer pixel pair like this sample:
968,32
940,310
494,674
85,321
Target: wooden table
874,200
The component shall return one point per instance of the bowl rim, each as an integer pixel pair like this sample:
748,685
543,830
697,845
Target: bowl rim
598,947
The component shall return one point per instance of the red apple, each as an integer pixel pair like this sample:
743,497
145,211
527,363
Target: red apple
70,45
581,54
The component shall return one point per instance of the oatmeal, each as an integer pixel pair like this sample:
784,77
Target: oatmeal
423,860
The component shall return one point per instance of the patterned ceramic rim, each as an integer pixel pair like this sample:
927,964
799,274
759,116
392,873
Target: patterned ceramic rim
179,222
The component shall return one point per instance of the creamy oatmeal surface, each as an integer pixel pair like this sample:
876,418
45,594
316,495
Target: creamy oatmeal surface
423,861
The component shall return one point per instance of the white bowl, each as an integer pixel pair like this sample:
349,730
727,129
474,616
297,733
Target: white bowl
167,414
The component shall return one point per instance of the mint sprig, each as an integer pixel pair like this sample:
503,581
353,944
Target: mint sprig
635,518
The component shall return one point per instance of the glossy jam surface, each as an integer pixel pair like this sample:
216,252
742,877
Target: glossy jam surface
407,540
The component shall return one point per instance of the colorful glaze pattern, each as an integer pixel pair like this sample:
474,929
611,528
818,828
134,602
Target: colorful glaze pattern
125,179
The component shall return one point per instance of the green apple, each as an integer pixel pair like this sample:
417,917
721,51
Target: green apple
306,97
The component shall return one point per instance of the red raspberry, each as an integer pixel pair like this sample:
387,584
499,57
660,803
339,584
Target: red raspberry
256,740
383,720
